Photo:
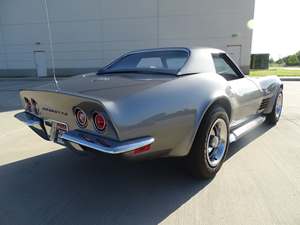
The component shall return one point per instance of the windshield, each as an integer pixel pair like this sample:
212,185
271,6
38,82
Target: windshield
160,62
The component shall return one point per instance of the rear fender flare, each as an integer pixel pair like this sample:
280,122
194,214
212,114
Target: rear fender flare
221,100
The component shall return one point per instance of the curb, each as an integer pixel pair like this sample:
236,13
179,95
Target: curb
290,78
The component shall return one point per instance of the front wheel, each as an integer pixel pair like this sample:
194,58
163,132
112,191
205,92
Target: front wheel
210,145
273,117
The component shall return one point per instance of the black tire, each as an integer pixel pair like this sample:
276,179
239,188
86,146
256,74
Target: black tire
272,118
197,159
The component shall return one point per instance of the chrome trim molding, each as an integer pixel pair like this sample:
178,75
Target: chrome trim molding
34,122
243,130
107,146
29,119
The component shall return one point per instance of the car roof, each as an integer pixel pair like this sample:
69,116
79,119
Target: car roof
199,60
191,49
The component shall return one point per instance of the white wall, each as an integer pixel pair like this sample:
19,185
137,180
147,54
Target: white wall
90,33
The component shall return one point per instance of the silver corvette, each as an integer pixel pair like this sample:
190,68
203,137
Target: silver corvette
166,102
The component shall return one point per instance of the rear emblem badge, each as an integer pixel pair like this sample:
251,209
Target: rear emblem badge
54,111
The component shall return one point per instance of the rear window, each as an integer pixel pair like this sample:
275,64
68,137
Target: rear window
162,61
153,63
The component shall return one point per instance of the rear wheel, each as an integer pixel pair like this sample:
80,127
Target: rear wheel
273,117
210,145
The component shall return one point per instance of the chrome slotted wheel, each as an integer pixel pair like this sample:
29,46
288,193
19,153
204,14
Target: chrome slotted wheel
216,143
278,107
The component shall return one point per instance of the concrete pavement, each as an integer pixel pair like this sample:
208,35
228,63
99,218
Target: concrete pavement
44,183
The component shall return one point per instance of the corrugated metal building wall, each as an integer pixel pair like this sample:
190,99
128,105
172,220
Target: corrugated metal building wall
88,34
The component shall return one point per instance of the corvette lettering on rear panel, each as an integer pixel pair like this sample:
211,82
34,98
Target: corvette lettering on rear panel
55,111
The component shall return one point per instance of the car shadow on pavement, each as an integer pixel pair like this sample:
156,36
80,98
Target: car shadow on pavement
61,187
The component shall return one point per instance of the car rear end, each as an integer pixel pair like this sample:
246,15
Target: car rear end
77,121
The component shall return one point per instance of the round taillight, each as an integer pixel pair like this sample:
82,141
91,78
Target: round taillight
99,121
81,117
27,104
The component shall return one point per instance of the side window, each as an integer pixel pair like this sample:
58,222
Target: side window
225,68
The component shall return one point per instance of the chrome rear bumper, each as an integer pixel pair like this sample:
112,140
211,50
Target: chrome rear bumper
80,140
105,145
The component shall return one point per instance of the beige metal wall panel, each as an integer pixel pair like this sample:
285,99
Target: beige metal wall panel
88,34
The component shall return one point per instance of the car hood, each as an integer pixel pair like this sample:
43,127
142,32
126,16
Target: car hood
109,87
